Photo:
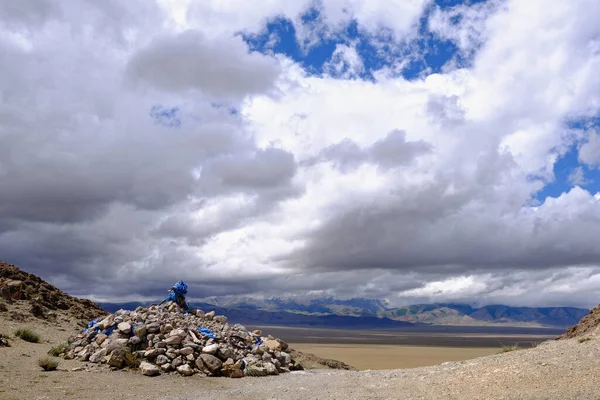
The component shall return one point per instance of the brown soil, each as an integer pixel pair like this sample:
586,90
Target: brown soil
589,325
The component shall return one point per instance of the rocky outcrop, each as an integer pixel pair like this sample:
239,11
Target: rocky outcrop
43,300
164,339
589,325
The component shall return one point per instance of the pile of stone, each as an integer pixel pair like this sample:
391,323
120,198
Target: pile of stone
164,339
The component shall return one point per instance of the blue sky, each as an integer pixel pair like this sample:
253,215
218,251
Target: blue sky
428,53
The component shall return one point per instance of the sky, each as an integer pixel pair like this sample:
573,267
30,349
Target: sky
408,150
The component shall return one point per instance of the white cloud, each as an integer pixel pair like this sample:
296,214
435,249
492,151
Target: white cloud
318,184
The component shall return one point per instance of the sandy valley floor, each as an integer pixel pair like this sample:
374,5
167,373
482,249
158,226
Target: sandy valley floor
375,357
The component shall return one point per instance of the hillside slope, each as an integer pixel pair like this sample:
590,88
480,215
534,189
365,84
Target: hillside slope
24,296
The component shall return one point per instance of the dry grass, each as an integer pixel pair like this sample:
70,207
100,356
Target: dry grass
27,335
48,364
58,349
507,349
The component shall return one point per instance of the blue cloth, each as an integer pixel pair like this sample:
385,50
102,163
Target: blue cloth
257,339
92,323
109,330
207,332
177,295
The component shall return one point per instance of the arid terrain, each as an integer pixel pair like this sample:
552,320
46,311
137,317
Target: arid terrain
556,369
568,368
381,356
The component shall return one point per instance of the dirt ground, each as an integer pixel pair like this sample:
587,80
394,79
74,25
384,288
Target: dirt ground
566,369
376,357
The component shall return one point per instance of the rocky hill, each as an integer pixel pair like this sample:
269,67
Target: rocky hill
589,325
24,296
434,314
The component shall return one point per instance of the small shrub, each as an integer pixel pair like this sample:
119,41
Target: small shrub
132,361
27,335
57,350
584,339
48,364
506,349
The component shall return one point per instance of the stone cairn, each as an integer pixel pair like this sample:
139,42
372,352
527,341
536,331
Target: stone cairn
164,339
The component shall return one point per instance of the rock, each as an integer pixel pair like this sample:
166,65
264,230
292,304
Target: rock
173,340
100,338
284,345
211,349
257,332
224,353
154,327
150,354
178,332
117,358
98,356
124,328
134,340
165,341
285,358
211,363
186,351
177,362
271,369
106,322
162,359
113,345
273,345
140,331
185,370
149,369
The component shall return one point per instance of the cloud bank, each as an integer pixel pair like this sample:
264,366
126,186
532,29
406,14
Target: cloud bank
142,143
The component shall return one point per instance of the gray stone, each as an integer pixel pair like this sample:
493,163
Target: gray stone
224,353
173,340
178,332
100,338
161,359
117,358
151,353
124,328
211,349
186,350
140,331
209,315
185,370
220,319
98,356
149,369
210,363
134,340
176,362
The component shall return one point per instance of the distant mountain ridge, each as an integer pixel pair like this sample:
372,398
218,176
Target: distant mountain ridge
362,312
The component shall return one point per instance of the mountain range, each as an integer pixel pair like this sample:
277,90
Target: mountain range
374,313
